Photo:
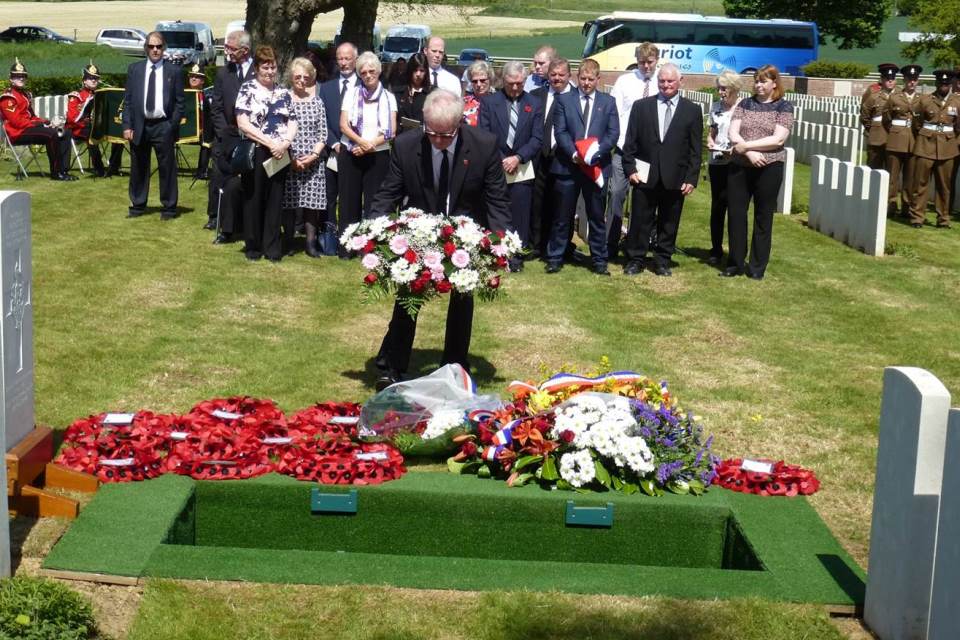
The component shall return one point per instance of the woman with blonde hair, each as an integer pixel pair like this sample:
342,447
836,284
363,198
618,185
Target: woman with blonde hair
481,80
758,131
718,166
305,188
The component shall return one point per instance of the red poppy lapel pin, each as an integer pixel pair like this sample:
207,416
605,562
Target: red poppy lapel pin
466,162
527,108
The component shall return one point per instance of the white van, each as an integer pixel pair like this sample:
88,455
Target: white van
188,42
404,40
374,45
236,25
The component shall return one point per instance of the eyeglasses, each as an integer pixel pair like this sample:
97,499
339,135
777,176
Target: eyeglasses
480,80
154,46
301,77
437,134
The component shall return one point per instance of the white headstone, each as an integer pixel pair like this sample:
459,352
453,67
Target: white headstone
16,341
944,612
913,425
785,197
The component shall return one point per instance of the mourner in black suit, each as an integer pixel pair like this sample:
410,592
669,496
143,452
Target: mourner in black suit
544,200
153,106
516,118
664,140
223,104
475,187
331,93
582,114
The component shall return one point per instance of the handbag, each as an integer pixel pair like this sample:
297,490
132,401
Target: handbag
243,156
327,239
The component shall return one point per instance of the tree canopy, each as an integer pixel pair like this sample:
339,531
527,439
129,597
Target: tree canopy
939,21
852,24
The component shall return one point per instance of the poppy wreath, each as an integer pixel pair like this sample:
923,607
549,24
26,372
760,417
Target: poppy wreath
783,480
228,438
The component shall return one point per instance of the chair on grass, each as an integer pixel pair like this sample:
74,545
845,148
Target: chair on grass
25,153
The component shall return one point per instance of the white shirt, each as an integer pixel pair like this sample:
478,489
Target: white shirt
629,88
662,110
720,119
445,80
245,66
371,113
158,85
436,155
352,81
551,94
531,83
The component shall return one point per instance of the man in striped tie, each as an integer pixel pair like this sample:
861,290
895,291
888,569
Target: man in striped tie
516,118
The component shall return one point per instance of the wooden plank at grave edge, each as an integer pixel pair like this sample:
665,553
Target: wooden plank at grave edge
101,578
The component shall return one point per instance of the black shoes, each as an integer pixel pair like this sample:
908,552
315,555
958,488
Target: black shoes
714,260
916,225
386,379
662,271
211,224
63,176
223,238
515,265
312,250
165,217
730,272
553,267
600,269
632,268
134,214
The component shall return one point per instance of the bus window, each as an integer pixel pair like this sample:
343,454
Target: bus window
754,37
793,38
675,32
714,34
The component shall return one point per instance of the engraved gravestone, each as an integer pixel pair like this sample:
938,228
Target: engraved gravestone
944,613
16,337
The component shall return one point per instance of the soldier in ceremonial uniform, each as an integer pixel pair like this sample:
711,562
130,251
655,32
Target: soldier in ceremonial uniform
871,114
935,127
195,80
898,123
24,127
79,108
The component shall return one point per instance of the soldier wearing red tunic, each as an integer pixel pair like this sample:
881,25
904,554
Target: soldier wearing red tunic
79,109
25,127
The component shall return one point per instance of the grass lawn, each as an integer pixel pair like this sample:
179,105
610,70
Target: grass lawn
133,314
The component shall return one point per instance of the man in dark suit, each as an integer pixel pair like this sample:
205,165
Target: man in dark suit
152,108
331,93
516,119
449,169
224,194
661,158
544,200
579,115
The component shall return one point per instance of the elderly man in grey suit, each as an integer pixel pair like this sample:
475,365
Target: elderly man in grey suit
152,107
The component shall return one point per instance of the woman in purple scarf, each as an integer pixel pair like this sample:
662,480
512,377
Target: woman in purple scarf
368,120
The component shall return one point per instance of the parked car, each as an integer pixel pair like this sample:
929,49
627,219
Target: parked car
469,56
32,34
126,39
404,40
188,42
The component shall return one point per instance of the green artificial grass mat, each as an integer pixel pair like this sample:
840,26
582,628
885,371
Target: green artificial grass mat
438,530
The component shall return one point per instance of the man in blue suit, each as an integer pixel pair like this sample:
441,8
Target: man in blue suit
331,93
582,114
152,108
516,118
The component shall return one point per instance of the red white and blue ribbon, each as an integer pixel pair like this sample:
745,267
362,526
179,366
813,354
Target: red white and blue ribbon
565,380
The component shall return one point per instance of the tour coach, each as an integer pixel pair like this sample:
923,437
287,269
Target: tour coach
445,168
153,105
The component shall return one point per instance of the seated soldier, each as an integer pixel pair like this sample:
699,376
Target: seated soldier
195,80
24,127
79,109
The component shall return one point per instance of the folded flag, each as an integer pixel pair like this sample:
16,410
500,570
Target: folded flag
587,149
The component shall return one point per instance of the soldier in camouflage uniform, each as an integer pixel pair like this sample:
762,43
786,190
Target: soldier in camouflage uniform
935,127
871,114
898,123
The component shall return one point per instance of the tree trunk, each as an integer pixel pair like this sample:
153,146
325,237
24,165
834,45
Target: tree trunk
285,24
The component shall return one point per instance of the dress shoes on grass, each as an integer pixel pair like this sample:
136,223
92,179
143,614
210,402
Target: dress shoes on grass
632,268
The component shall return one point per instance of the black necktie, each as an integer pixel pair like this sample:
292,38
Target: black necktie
586,112
343,89
443,185
152,90
240,73
434,78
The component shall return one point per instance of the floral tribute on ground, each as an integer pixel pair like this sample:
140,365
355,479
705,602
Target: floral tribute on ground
420,256
620,431
227,438
777,479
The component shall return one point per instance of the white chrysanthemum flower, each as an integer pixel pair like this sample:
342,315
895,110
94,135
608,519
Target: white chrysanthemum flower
469,234
441,422
577,468
635,454
424,227
348,232
513,242
403,272
465,280
378,226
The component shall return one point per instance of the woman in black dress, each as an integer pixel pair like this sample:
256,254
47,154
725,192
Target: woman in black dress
410,102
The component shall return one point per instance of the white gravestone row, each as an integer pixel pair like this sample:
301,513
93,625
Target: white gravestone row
16,342
912,586
849,203
811,139
847,104
836,118
702,98
785,197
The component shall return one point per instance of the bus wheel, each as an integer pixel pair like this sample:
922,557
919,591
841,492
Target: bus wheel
748,71
632,67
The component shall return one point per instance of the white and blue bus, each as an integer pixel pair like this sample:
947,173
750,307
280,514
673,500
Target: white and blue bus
701,44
